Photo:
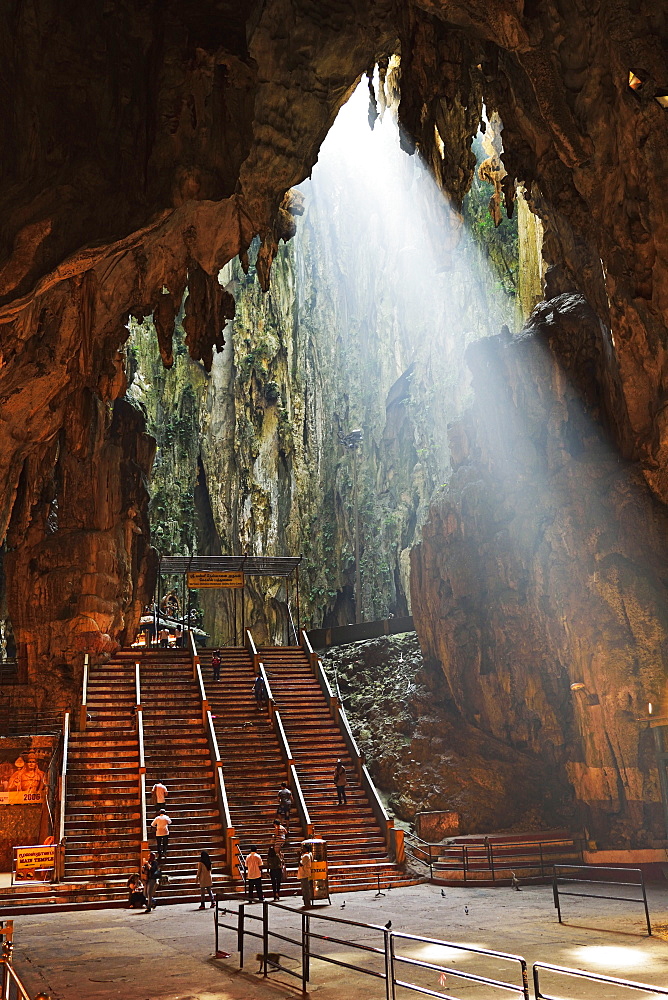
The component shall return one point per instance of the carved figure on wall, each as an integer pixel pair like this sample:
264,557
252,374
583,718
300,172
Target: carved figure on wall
6,772
28,777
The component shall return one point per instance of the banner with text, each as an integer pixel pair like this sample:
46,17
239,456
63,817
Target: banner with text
21,798
34,863
231,580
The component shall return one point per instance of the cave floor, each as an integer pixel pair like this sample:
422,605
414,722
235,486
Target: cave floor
118,953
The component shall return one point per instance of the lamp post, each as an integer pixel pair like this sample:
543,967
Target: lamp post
353,442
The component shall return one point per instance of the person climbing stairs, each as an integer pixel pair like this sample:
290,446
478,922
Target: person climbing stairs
177,752
357,850
253,764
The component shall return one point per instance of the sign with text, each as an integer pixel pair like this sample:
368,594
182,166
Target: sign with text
231,580
34,862
21,798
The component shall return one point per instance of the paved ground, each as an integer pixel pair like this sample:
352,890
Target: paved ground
168,955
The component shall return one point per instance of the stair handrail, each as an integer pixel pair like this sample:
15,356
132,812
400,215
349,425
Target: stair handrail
218,764
137,685
270,698
221,791
301,802
139,718
292,622
282,738
293,777
393,837
83,709
63,797
202,690
349,739
252,648
316,667
193,653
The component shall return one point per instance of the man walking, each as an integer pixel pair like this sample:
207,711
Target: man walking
161,825
152,876
340,780
254,875
278,839
159,793
284,803
260,691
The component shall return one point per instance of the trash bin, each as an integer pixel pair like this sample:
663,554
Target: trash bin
319,883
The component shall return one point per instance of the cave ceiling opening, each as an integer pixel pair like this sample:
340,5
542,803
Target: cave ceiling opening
371,306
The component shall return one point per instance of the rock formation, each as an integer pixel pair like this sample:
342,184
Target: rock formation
540,581
424,756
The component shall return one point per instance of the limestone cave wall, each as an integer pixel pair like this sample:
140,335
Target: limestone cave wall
540,581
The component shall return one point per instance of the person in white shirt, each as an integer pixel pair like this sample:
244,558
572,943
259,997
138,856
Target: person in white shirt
278,838
161,825
254,875
304,874
159,793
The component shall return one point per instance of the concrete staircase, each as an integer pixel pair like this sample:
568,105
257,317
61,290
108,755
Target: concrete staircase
103,810
177,751
253,765
357,852
102,817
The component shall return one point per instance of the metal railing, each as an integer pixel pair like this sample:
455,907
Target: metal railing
581,873
390,957
83,708
139,718
520,988
12,987
383,956
589,977
495,861
393,838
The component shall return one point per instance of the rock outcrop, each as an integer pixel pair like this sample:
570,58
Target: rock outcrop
424,756
540,582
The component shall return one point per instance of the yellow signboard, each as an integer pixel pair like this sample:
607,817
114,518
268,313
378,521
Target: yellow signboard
232,579
21,798
31,862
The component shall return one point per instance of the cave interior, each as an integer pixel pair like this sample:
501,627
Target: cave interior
158,224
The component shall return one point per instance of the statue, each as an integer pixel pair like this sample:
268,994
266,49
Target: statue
27,777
